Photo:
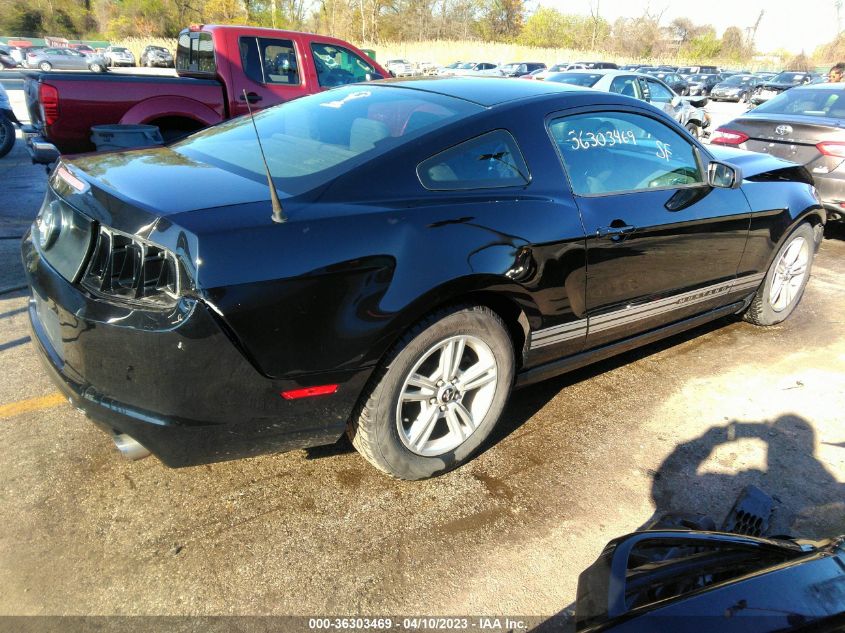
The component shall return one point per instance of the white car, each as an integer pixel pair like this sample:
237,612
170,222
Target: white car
478,69
119,56
447,71
688,112
399,67
557,68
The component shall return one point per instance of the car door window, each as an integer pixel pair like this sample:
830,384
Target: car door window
658,93
269,61
626,85
337,66
614,152
488,161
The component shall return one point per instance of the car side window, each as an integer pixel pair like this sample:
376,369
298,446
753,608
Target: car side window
269,61
337,65
488,161
615,152
626,85
658,92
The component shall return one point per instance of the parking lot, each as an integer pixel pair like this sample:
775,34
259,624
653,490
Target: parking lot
682,425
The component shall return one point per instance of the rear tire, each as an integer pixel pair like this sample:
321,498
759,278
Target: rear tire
7,136
438,394
45,66
784,284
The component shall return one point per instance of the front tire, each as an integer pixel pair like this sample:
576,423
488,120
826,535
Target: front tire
96,68
438,394
7,136
786,279
693,129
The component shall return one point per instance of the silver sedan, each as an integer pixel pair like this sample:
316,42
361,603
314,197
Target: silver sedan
688,111
65,59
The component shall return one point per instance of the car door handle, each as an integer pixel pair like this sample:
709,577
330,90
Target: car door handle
616,232
252,97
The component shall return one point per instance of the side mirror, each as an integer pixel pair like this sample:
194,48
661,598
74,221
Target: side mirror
723,176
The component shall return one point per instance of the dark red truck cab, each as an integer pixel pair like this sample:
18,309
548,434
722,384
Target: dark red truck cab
215,65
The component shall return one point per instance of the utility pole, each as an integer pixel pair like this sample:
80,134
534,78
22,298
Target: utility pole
757,24
838,5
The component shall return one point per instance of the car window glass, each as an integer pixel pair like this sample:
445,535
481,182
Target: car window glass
269,61
487,161
312,140
611,152
626,85
807,102
337,65
658,92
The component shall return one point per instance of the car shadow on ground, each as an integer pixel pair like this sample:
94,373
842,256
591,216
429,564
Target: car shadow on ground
809,501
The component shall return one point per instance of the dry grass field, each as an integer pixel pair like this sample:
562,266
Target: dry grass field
442,52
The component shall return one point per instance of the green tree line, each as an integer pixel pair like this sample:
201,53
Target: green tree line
375,21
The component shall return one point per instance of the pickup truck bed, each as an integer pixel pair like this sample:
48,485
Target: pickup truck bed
123,98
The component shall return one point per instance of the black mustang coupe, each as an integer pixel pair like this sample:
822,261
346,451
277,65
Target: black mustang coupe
430,244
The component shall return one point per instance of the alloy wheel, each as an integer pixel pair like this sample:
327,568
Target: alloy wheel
446,395
789,274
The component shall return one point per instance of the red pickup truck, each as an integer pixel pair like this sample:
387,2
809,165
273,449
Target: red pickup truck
214,66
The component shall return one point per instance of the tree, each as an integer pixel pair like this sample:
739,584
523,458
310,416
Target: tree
501,20
546,27
733,44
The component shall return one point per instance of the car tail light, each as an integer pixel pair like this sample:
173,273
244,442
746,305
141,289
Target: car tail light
49,97
832,148
724,136
126,267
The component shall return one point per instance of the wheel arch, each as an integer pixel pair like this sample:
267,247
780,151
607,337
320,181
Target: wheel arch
510,301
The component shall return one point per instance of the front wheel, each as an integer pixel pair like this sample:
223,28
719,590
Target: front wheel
785,280
7,136
693,129
96,68
438,395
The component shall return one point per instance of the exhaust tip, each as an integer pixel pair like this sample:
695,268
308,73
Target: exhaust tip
129,447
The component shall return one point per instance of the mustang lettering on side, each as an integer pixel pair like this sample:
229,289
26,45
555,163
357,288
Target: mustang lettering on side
428,246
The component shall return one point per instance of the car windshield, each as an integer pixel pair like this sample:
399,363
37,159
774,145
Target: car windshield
467,65
312,140
789,78
807,102
738,80
118,49
576,79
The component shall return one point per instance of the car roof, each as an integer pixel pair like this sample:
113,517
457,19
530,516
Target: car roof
485,91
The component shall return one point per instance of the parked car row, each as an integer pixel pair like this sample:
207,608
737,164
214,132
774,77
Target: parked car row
81,57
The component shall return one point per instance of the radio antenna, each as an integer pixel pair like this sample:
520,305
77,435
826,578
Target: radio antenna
278,214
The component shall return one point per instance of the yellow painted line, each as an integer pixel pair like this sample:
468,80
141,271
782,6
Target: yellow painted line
32,404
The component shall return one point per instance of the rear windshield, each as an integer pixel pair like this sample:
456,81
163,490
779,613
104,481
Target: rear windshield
118,49
738,80
576,79
807,102
312,140
790,78
701,77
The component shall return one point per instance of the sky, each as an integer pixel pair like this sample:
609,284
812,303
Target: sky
795,26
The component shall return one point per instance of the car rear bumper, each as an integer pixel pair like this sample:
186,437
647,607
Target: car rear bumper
40,149
176,382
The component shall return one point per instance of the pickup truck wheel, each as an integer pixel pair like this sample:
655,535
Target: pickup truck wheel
45,66
786,279
438,394
7,136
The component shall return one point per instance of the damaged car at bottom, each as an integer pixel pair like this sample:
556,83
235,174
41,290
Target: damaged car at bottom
409,253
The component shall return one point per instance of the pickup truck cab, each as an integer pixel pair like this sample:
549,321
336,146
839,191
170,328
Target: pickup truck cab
215,66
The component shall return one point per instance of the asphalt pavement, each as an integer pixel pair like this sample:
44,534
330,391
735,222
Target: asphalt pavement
682,425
